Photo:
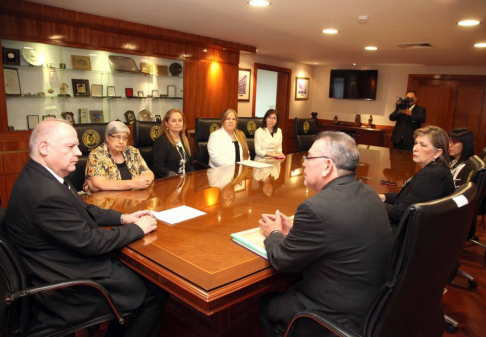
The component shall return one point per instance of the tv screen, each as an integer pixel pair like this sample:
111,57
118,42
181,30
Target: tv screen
353,84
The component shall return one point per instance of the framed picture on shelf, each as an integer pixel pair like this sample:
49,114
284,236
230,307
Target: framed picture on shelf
155,93
80,87
96,90
302,88
69,116
129,92
12,82
81,62
162,70
140,94
110,90
130,116
46,117
146,68
83,115
244,77
171,90
96,116
158,118
32,121
145,115
11,56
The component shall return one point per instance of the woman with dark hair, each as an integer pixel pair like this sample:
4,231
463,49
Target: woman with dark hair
461,147
433,181
171,151
227,145
268,138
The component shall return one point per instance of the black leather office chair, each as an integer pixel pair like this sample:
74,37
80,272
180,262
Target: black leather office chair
249,125
204,127
144,136
410,302
90,136
482,155
15,311
305,131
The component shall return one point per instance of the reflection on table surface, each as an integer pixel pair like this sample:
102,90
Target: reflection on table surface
199,252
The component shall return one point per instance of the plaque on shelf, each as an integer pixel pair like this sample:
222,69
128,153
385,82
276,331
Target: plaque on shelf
146,68
96,116
69,116
12,82
80,87
83,115
11,56
158,118
130,116
110,91
175,69
145,115
46,117
129,92
32,121
140,94
162,70
96,90
155,93
123,63
81,62
63,90
171,90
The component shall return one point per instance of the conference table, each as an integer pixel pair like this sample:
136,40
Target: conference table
215,282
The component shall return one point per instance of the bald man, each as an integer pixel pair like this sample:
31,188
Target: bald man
58,239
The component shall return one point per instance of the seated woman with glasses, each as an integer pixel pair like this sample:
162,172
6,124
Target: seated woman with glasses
268,138
227,145
171,151
461,147
116,166
433,181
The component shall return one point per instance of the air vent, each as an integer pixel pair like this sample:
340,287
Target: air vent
415,45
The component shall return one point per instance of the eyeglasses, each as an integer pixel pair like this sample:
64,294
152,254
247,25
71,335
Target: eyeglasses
274,118
305,159
118,137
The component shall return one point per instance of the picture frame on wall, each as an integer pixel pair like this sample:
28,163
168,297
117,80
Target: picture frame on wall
96,90
110,91
244,79
32,121
302,88
12,82
11,56
81,62
80,87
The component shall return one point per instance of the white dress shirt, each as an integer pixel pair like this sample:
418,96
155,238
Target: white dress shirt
264,142
221,149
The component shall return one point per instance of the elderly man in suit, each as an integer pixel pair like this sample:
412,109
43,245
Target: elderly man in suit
340,241
407,121
58,239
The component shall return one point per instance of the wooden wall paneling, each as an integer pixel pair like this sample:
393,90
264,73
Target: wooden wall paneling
14,161
209,88
434,95
283,105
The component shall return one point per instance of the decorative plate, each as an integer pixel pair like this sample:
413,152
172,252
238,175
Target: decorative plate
33,57
175,69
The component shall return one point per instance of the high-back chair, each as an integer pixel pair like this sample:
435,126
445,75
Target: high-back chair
204,127
90,136
410,302
15,298
248,125
305,131
144,136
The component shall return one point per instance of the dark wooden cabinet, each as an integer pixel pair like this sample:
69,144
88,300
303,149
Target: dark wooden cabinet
362,135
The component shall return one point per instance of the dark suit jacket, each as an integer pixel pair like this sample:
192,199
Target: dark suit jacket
432,182
167,158
406,125
58,239
341,241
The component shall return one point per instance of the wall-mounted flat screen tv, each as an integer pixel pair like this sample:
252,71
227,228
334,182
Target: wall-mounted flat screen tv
353,84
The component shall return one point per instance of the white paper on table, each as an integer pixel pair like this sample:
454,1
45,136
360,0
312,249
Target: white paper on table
178,214
256,164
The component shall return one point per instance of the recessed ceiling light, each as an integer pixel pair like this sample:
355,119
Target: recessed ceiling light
205,50
317,62
354,64
480,45
259,3
371,48
468,23
330,31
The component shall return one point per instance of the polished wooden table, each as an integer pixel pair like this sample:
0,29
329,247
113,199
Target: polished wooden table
196,260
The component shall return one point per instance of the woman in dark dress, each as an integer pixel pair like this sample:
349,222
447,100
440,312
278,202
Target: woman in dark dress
461,147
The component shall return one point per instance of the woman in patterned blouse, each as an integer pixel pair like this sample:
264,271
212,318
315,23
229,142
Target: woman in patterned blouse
116,166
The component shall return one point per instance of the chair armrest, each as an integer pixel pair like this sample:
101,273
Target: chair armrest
324,320
9,298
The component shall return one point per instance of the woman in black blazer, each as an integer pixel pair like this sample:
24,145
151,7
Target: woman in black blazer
433,181
171,151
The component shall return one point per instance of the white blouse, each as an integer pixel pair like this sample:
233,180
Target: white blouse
264,142
221,149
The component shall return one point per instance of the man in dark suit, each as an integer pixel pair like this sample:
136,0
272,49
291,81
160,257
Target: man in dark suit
58,239
407,121
340,241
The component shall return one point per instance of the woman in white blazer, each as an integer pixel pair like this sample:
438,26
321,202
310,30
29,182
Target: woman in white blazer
227,145
268,138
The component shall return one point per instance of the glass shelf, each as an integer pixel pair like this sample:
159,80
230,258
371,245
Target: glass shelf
103,97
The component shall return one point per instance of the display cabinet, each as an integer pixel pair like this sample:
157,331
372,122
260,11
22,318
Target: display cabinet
45,81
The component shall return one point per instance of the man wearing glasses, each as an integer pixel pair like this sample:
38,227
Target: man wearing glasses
340,241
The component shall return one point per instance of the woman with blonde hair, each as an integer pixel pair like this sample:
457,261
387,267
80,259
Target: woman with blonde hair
227,145
171,151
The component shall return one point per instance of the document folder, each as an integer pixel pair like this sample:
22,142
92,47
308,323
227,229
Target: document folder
251,239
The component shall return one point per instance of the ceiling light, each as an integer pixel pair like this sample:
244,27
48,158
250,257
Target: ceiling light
317,62
205,50
468,23
330,31
371,48
259,3
354,64
480,45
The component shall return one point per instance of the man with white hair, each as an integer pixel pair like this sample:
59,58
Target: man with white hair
340,241
58,239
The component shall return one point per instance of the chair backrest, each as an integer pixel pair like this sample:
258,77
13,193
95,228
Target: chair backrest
144,136
305,131
429,243
482,155
249,125
90,136
204,127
